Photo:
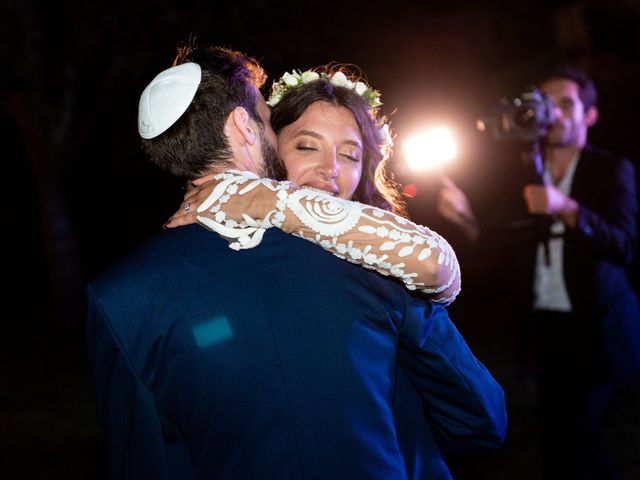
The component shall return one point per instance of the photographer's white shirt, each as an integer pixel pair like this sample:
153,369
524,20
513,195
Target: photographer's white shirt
550,289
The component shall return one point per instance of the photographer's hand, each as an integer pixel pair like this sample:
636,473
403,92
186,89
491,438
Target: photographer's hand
453,205
549,200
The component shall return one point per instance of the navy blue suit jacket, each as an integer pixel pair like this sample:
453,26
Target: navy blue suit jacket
279,362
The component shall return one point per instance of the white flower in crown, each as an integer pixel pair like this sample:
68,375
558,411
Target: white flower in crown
360,88
291,79
309,76
274,99
339,79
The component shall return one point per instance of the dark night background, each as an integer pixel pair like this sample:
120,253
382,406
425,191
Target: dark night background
82,194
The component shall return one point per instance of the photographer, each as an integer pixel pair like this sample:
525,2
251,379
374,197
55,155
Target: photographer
569,275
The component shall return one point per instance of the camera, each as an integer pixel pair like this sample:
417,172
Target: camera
527,117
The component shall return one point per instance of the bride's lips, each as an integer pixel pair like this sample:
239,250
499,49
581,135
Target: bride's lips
327,187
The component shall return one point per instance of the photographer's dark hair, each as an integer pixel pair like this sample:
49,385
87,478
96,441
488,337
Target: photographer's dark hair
588,92
376,188
196,141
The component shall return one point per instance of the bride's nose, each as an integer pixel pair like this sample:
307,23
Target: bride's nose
329,167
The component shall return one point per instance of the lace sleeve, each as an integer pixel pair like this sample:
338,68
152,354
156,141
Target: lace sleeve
241,206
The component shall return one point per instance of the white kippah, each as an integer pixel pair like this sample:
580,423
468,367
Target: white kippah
166,98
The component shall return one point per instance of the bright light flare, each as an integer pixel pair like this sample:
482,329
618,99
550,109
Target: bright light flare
428,149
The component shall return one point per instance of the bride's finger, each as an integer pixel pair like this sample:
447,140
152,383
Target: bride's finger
186,208
181,220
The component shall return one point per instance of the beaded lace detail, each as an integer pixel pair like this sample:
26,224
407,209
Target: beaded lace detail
362,234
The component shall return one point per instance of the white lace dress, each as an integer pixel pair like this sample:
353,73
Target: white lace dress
362,234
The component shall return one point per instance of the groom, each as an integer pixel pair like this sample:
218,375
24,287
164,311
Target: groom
277,362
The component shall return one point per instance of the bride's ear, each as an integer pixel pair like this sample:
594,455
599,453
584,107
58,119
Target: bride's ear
243,125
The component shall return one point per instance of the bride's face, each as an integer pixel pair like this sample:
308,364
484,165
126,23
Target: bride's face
323,149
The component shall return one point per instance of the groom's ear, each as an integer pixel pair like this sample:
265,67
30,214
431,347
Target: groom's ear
243,126
591,116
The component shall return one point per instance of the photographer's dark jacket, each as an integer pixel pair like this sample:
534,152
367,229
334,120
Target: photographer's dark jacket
596,255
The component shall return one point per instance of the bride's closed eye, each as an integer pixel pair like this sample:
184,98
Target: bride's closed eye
304,148
353,158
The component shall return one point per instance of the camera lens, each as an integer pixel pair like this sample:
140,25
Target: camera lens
524,117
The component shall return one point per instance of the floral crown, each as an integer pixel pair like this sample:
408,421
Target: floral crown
291,81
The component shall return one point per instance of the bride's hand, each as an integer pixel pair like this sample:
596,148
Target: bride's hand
256,203
196,192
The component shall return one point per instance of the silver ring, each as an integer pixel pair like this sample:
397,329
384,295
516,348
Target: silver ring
187,207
